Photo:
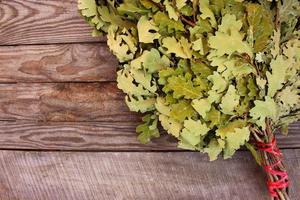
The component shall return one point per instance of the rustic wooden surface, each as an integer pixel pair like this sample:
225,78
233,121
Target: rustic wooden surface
65,132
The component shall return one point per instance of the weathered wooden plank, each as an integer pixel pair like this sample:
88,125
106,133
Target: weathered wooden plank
96,136
42,22
63,102
57,63
78,136
107,175
75,102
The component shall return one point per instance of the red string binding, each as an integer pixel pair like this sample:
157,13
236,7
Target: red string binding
273,168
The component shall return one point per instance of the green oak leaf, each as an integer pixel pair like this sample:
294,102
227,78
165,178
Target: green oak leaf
207,13
261,24
167,25
147,30
180,3
172,126
230,127
264,109
88,8
139,104
219,83
171,10
148,129
234,140
230,101
214,148
193,131
144,80
181,48
182,86
228,39
125,83
277,77
202,106
151,61
201,69
122,44
130,7
181,111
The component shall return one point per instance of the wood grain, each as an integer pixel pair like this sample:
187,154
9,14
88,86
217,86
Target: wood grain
42,22
78,136
63,102
95,103
108,175
57,63
96,136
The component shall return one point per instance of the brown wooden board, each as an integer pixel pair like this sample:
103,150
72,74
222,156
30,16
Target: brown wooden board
134,175
79,136
109,124
96,136
42,22
63,102
57,63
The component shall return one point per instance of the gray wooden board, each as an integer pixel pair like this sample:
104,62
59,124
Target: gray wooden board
135,175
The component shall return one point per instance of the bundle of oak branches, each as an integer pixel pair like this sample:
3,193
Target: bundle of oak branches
215,74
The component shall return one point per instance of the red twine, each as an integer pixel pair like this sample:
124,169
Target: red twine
273,168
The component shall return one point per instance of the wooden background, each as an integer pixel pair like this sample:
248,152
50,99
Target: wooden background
65,132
